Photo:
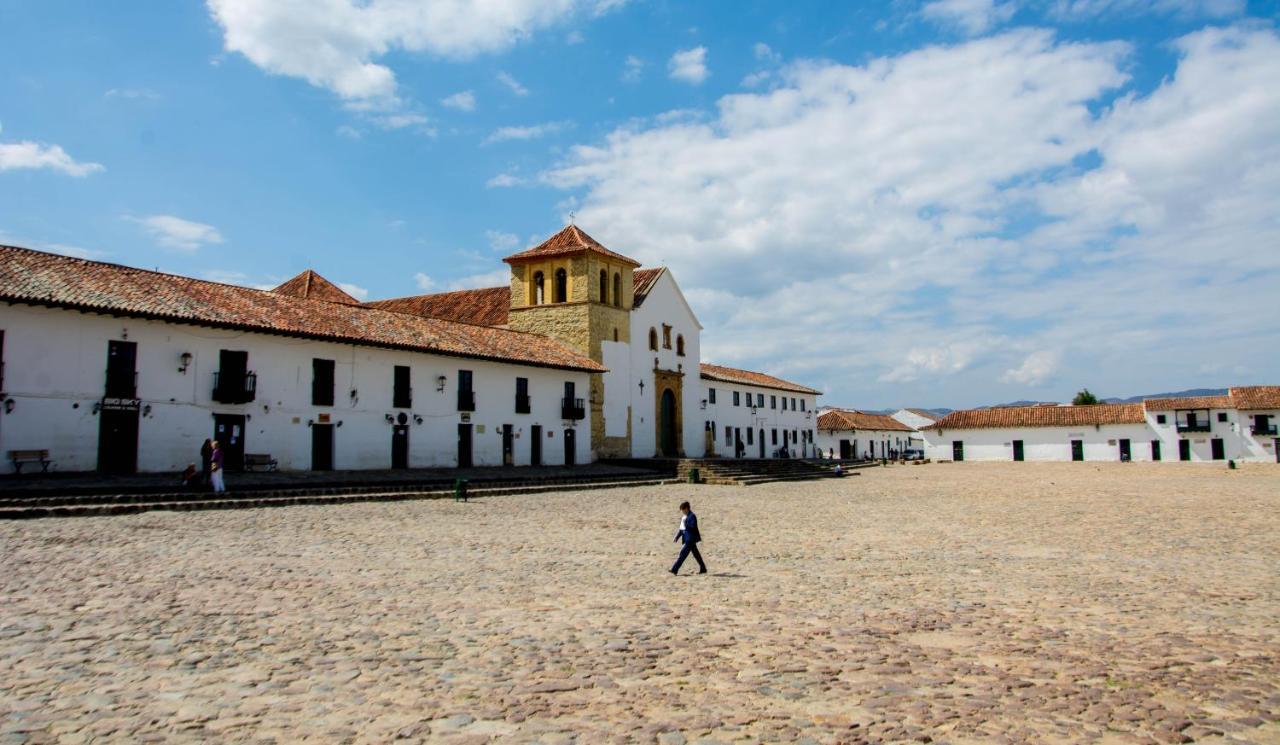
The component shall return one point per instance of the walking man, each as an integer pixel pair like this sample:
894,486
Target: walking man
689,532
215,463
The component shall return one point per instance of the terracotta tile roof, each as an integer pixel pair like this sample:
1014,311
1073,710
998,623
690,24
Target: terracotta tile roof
643,280
487,306
569,241
38,278
312,285
1042,416
747,377
849,419
1190,402
1254,397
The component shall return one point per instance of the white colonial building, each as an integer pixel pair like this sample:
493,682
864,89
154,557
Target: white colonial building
584,355
858,435
1239,426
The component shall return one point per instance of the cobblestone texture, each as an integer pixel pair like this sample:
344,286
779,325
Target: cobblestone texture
947,603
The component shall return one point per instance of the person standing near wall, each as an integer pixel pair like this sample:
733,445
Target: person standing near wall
215,463
206,457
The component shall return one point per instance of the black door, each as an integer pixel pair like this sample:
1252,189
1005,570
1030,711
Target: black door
400,446
118,441
1077,450
508,445
761,443
570,447
228,430
957,450
846,450
464,446
667,425
738,447
1184,449
1155,450
535,445
1276,446
1219,451
1017,450
322,447
1126,454
122,357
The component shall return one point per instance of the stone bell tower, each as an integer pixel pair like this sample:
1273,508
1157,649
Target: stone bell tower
573,289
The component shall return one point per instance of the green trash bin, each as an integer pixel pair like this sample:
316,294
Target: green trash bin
694,476
460,490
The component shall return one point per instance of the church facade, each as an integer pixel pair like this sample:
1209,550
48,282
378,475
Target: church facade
584,355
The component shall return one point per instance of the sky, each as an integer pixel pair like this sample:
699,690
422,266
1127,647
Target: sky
903,203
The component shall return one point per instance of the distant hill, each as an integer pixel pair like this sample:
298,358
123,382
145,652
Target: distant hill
940,412
1175,394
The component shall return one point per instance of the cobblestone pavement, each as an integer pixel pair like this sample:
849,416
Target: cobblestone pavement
953,602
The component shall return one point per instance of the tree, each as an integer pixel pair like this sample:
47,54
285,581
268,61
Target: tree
1084,398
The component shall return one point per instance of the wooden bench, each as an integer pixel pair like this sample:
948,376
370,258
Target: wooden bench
259,460
22,457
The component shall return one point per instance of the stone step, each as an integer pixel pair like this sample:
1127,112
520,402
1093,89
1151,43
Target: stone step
303,491
102,509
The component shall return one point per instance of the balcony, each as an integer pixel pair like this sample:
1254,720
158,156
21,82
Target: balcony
235,388
466,401
1193,427
572,408
522,403
121,384
1265,430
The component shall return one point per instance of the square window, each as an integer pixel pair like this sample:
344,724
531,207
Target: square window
1160,419
1222,416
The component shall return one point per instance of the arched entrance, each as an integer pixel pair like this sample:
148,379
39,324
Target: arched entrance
667,425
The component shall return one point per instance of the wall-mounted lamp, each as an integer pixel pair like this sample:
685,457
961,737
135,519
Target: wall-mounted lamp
310,422
389,418
339,422
354,393
9,403
146,410
97,406
184,361
703,404
417,419
440,381
266,409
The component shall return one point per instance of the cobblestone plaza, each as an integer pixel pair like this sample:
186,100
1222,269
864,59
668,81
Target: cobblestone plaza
947,603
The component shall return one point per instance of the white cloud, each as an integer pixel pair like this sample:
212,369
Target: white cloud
1036,369
632,69
132,94
689,65
504,180
348,131
337,44
512,84
923,223
177,233
1081,9
34,155
494,278
973,17
531,132
764,53
404,120
424,282
355,291
500,241
574,37
462,101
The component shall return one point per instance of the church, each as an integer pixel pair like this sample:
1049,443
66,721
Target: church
585,355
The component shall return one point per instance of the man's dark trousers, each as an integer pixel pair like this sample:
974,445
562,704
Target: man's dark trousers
690,547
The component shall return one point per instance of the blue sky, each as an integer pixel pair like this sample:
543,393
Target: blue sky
949,202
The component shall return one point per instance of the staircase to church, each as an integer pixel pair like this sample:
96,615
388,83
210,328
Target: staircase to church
753,471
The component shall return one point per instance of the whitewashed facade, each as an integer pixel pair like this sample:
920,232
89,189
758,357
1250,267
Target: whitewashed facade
756,421
849,434
1240,426
56,362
